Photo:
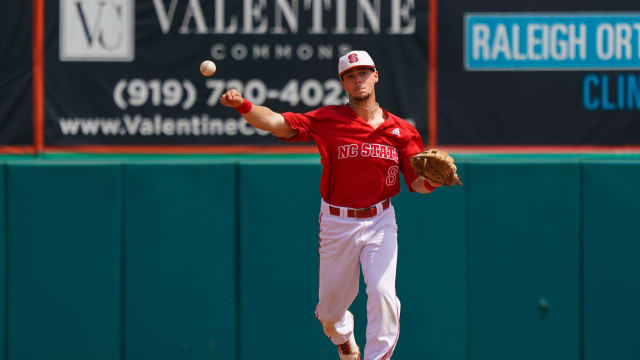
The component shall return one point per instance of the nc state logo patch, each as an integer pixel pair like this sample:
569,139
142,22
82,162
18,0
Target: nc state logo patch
353,58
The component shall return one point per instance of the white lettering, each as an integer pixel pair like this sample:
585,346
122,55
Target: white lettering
252,13
290,14
183,126
517,55
545,42
558,46
480,41
169,127
283,52
132,124
636,27
365,8
219,22
165,18
146,128
578,42
216,127
304,52
366,150
231,126
260,51
317,7
341,17
195,125
284,16
353,150
218,52
194,11
623,41
605,30
239,51
501,43
325,52
204,129
402,13
533,41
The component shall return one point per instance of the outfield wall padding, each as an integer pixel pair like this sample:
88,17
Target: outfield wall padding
139,259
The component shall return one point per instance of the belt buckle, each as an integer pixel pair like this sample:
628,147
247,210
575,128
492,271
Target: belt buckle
363,212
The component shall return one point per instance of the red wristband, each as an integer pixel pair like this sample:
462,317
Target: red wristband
245,107
428,186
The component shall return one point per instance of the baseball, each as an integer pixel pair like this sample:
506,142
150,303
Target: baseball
208,68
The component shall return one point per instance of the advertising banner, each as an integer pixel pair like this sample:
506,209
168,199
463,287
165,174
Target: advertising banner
125,72
521,74
16,80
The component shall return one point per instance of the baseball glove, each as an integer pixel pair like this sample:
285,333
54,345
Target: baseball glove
437,166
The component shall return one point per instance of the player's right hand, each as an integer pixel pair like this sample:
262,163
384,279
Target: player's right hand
231,98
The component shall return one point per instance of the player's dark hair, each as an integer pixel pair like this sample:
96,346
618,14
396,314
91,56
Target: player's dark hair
346,72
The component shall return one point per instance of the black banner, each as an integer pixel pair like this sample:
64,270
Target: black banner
124,72
539,73
16,79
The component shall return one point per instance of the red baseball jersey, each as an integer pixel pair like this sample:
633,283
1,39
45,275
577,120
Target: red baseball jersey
360,166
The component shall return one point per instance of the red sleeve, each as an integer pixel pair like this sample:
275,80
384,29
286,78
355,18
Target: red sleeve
414,146
301,123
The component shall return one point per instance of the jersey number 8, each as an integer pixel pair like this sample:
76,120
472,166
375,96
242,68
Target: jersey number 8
392,175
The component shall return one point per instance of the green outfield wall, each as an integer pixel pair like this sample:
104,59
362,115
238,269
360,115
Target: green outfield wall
215,257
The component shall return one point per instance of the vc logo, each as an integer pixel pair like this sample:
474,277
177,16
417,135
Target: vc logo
97,30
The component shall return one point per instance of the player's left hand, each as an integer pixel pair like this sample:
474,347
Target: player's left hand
437,166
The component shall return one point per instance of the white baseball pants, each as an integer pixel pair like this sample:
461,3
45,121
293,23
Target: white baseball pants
346,243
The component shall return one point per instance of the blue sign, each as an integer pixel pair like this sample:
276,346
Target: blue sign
551,41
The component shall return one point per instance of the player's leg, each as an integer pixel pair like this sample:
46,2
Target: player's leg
338,276
379,259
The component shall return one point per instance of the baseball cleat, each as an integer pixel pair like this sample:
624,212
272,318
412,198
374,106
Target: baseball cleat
349,350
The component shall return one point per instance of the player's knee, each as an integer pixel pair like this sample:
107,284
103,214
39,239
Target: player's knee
327,311
380,291
328,317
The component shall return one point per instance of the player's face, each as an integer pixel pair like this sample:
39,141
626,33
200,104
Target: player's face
359,83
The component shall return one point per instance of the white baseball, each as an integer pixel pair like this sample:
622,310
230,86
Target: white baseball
208,68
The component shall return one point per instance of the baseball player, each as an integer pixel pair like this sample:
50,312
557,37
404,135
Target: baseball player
363,150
